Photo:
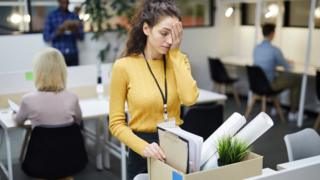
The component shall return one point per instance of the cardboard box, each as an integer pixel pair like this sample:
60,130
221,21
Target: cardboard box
251,166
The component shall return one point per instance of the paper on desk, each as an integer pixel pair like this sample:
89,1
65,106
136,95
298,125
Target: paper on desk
13,106
228,128
258,126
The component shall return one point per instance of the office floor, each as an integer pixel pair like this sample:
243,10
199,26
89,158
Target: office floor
270,145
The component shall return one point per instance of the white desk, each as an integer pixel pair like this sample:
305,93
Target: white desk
297,68
236,61
92,108
303,171
209,96
299,163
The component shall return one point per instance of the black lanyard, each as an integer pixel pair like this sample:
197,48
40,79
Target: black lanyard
165,95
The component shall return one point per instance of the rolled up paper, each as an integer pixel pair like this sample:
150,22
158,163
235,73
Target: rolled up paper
228,128
258,126
211,163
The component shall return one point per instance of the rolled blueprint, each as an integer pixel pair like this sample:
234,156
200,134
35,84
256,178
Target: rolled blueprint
258,126
228,128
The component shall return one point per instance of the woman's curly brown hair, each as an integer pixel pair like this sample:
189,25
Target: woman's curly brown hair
148,11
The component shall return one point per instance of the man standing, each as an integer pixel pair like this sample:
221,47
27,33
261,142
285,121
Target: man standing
62,29
268,57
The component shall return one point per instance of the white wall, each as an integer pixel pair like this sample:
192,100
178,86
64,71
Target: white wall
17,51
201,43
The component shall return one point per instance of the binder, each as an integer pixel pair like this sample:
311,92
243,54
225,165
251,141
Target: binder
176,150
194,145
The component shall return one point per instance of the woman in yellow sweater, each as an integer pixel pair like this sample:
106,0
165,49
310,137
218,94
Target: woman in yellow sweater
154,78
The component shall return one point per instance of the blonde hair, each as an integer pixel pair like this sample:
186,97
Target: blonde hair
50,70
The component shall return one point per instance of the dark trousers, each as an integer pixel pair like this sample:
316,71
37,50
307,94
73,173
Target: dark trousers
289,81
71,59
136,163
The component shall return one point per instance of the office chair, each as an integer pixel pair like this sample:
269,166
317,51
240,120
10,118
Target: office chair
317,123
55,152
221,78
203,120
142,176
261,88
302,144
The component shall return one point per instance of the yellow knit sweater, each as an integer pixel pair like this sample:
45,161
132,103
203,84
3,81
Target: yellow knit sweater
132,82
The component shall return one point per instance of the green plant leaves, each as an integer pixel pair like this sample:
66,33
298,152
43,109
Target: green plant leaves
232,150
101,12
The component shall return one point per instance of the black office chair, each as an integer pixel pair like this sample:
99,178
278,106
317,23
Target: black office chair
261,88
317,123
55,152
221,78
203,120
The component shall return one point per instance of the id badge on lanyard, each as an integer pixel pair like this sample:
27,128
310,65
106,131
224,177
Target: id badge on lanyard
164,94
165,113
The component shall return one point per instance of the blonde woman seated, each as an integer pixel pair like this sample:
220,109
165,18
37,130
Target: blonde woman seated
56,148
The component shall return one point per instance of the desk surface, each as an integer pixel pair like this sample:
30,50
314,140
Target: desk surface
299,163
209,96
244,61
98,107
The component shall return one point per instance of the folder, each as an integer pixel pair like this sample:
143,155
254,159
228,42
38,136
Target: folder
194,145
176,150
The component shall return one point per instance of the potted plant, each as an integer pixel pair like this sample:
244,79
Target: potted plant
231,150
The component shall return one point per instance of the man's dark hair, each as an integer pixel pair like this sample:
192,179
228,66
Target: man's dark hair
268,29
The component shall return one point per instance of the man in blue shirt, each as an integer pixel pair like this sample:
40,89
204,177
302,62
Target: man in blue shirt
268,57
62,29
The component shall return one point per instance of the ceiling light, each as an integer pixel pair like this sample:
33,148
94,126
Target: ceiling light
317,13
229,12
26,18
272,11
84,17
15,18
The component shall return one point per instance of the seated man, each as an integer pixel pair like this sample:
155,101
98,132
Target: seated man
268,57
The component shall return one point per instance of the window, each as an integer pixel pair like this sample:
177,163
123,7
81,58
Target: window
270,11
22,16
17,16
39,11
196,13
297,13
14,18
